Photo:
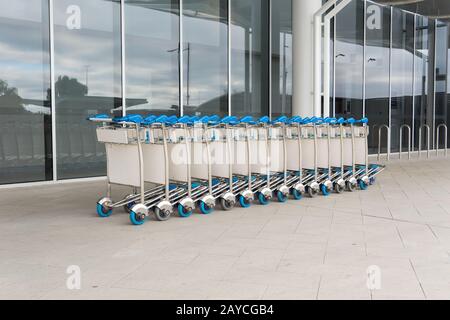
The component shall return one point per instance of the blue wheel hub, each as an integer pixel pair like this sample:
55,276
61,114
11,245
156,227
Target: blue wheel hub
262,199
205,209
103,212
136,219
362,185
297,195
324,190
244,202
281,197
183,212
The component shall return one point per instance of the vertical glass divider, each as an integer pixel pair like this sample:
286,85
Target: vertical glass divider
433,134
414,86
229,54
270,59
390,80
123,57
52,89
364,58
334,65
180,57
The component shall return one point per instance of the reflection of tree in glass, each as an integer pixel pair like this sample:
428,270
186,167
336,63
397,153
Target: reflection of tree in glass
66,86
9,97
5,90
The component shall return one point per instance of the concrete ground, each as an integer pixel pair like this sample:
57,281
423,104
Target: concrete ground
322,248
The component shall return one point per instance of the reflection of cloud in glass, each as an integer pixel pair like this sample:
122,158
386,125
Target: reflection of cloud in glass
151,33
349,71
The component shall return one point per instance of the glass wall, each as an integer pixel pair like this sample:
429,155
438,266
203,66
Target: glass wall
205,59
377,55
151,56
25,109
402,77
441,85
281,57
349,53
87,81
421,62
249,57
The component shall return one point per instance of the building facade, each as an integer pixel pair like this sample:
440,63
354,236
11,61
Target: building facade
63,60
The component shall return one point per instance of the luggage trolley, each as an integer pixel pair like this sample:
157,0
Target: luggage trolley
340,174
295,134
363,173
282,179
313,164
123,138
222,145
156,161
184,190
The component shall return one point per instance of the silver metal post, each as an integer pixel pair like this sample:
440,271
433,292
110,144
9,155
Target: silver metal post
428,139
141,163
188,156
249,166
206,131
300,163
166,164
438,130
388,131
401,141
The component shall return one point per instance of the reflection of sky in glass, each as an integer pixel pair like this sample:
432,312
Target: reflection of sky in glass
151,54
206,35
93,52
349,69
22,48
249,45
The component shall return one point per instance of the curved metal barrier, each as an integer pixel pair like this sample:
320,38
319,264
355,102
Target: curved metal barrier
409,141
428,135
388,131
438,130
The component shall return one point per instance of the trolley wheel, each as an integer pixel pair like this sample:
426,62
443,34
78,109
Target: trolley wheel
103,212
297,195
226,205
183,212
244,202
324,190
350,186
362,185
281,197
161,215
338,188
137,219
262,199
127,207
311,192
205,209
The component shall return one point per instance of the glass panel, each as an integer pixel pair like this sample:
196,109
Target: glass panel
249,57
402,75
151,54
441,112
25,110
281,58
205,57
378,37
421,78
349,60
88,81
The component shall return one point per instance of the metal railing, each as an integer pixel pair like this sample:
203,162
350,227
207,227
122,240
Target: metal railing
409,141
438,130
388,131
428,135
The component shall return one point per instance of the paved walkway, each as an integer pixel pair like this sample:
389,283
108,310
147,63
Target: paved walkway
311,249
